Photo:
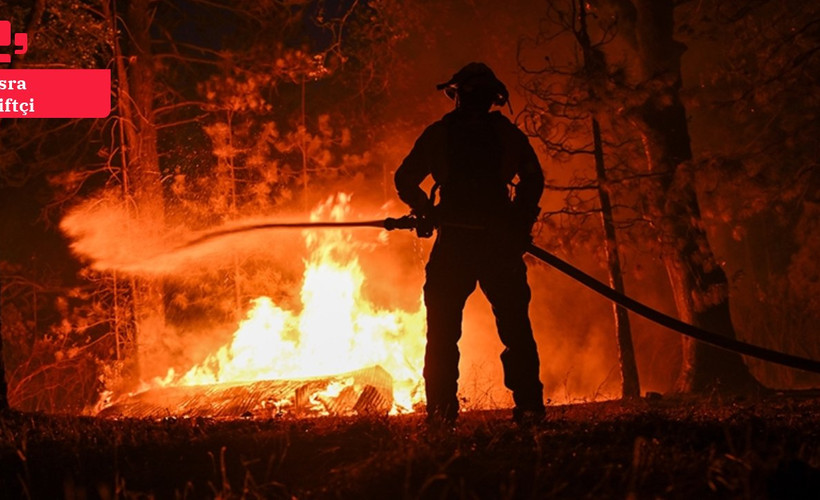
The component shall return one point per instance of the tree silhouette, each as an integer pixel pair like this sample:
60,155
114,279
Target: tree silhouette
640,98
564,103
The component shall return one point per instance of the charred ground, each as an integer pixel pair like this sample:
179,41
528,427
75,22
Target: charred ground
647,448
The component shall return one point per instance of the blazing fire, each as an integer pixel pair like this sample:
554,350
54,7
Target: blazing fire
337,333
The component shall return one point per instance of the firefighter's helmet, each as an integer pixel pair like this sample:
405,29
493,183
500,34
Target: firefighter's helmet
474,78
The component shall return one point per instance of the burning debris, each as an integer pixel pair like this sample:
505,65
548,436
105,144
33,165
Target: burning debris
364,392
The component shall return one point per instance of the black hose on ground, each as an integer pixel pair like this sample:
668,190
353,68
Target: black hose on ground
677,325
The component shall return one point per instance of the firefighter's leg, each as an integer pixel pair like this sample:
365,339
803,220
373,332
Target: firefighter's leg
446,290
505,285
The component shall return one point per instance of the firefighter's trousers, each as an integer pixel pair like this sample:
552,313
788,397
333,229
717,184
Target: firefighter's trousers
458,261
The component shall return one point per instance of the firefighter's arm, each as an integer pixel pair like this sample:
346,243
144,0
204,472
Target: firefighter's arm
530,183
410,174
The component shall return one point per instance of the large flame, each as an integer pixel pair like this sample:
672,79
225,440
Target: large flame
337,330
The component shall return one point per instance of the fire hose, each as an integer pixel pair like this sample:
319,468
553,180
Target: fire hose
675,324
411,222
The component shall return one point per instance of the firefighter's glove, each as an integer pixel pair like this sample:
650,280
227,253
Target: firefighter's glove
424,225
425,220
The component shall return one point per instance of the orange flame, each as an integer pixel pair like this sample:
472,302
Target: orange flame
337,331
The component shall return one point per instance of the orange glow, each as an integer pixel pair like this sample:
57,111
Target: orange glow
337,331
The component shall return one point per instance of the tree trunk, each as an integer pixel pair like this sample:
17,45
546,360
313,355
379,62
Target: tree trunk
141,176
631,386
595,68
699,284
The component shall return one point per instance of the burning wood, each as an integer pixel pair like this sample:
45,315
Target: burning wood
365,392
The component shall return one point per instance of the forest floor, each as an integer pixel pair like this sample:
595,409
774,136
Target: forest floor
648,448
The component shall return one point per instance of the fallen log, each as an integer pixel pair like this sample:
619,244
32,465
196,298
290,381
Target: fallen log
365,392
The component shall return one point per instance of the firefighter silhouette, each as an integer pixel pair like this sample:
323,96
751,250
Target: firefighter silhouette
483,223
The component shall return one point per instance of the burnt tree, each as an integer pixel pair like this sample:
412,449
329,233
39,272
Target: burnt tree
699,284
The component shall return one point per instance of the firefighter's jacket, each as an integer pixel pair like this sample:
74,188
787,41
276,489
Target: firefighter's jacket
484,166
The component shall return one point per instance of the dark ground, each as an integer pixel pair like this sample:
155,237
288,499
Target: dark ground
663,448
